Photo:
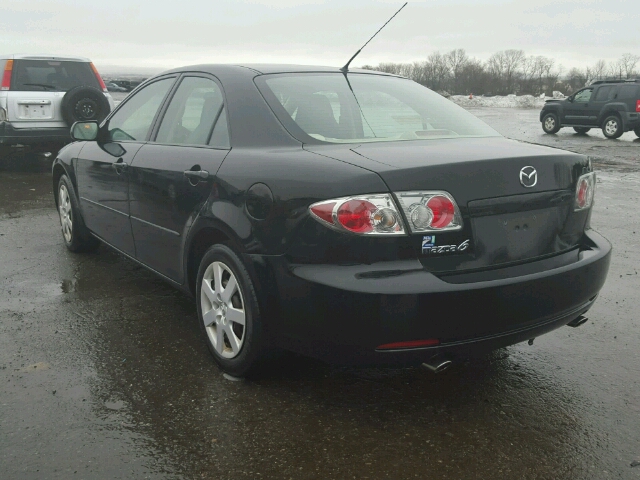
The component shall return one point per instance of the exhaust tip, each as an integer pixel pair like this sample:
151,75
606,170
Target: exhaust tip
581,320
437,365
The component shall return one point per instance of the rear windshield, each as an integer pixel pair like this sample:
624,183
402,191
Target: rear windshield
358,108
49,75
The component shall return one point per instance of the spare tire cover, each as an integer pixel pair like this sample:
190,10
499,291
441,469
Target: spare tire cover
83,104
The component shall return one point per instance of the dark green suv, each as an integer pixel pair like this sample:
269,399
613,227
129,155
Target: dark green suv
613,105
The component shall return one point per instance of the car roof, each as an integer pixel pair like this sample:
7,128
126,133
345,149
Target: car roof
271,68
43,57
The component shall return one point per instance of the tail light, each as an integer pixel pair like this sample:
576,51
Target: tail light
585,190
6,76
637,105
98,77
364,215
431,211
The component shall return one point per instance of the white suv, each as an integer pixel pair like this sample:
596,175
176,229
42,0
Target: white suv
41,97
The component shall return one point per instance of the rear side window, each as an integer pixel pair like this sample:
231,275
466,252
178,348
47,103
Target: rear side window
628,92
192,113
604,94
51,76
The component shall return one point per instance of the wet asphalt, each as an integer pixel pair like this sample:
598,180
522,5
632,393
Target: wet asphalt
103,374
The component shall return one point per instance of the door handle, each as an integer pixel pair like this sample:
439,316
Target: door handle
120,166
196,174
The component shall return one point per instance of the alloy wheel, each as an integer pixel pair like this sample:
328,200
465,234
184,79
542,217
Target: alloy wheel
223,310
611,127
66,219
549,123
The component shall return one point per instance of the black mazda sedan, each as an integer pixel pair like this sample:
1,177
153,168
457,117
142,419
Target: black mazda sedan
356,217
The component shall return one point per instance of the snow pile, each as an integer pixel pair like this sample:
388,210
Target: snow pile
510,101
557,94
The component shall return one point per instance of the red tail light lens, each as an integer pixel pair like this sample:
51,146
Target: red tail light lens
355,215
585,191
430,211
98,77
324,211
6,76
365,215
443,211
637,105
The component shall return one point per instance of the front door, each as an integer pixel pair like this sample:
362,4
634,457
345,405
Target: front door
103,166
172,176
576,111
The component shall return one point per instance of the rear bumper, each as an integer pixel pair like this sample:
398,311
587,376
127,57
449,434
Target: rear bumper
9,135
632,121
340,314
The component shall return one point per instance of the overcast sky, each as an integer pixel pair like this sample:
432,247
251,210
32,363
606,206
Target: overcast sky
163,34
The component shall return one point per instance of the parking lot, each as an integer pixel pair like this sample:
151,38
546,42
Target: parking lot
103,372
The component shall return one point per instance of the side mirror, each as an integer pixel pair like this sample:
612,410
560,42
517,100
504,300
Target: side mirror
114,149
84,131
570,99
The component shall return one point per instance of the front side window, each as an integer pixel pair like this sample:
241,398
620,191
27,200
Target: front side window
192,113
51,76
583,96
357,108
133,120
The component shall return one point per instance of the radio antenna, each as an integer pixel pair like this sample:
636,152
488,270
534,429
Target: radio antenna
345,69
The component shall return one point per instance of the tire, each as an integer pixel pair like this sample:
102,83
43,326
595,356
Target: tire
550,123
612,127
75,234
581,130
637,132
236,348
83,104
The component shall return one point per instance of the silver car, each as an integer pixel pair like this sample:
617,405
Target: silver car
41,96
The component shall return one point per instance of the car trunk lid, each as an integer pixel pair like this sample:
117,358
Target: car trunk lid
504,221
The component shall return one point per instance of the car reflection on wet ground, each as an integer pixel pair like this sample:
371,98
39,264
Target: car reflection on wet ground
103,374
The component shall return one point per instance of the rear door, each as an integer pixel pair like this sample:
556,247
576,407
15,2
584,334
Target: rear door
601,96
103,166
172,176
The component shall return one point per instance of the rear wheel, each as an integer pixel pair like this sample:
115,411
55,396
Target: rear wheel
550,123
637,131
581,130
75,234
228,311
612,127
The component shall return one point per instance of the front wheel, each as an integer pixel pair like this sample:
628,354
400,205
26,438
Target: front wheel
612,127
550,123
228,311
75,234
581,130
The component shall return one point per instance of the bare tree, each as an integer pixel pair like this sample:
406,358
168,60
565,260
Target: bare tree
456,60
512,60
628,63
599,70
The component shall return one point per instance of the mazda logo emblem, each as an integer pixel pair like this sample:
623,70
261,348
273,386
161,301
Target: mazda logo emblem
528,177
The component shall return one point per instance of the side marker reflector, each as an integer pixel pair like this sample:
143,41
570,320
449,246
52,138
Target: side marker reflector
432,342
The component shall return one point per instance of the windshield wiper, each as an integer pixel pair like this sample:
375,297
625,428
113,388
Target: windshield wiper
43,85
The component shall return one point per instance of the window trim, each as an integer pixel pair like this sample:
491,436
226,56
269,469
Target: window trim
165,107
106,121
